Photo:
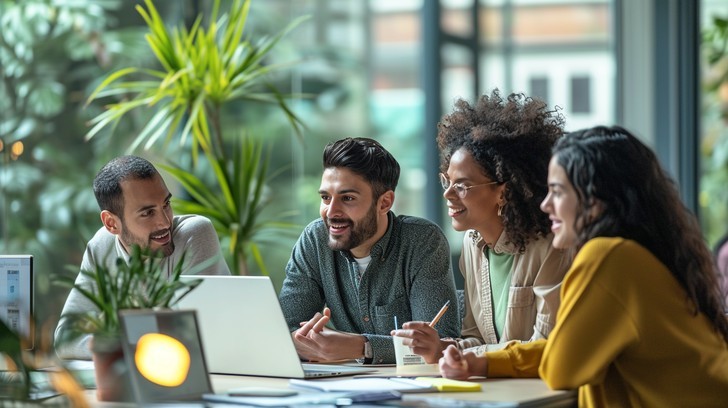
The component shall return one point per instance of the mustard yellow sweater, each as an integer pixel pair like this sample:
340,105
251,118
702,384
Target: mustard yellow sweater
625,336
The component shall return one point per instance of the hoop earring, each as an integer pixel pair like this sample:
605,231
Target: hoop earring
500,211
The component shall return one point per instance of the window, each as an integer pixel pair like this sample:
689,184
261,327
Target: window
580,94
539,88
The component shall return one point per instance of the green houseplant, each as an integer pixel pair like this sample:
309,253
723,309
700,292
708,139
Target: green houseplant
139,283
204,70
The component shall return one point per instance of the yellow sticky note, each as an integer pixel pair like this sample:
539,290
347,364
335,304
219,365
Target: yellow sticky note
445,384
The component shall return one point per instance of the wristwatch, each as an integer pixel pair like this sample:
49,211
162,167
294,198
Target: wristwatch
368,354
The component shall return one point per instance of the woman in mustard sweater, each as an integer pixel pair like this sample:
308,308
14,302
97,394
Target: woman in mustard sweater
641,322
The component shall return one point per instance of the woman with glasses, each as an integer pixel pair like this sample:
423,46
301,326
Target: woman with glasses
495,158
641,321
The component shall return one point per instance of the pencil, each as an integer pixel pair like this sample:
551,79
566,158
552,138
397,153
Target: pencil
439,314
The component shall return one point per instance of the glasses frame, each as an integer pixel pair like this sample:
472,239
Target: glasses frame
460,189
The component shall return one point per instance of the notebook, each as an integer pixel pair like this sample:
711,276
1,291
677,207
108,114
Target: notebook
164,354
244,332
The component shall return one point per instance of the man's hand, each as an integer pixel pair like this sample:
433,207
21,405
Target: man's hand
460,366
423,339
314,342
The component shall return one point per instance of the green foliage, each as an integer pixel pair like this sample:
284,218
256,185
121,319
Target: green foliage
202,69
50,52
140,283
235,203
715,41
714,195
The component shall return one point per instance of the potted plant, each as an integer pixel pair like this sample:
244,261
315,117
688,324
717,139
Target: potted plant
139,283
205,70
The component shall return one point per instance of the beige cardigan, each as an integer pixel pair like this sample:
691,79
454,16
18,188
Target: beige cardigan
533,298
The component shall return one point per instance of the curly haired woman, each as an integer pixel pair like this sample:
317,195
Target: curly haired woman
495,158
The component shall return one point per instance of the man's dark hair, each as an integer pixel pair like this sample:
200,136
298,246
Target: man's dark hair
107,183
367,158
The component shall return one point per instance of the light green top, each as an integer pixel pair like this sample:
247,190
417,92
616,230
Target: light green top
501,267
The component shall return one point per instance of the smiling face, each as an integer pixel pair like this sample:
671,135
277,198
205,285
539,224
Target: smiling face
561,205
478,210
355,221
147,218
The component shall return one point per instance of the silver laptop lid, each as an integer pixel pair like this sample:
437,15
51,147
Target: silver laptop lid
243,328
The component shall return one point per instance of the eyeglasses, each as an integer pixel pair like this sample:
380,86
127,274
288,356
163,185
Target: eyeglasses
460,189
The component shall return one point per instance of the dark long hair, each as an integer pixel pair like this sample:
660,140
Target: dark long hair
640,201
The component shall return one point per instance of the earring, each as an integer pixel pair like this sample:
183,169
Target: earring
500,210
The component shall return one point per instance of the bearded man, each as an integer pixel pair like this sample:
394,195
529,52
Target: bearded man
136,210
359,268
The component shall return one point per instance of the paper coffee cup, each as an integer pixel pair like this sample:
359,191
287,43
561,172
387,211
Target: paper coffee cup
404,355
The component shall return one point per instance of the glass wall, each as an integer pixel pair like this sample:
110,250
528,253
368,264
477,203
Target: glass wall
355,66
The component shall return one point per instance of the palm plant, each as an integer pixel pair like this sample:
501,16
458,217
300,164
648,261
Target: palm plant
234,206
202,70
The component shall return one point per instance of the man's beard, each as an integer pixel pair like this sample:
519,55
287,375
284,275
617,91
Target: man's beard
358,232
130,239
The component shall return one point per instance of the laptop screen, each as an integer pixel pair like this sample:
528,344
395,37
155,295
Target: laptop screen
16,295
164,352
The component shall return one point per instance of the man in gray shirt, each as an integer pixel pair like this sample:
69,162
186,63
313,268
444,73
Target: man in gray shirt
360,267
135,210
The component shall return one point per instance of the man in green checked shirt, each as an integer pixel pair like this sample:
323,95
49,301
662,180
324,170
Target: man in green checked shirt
360,265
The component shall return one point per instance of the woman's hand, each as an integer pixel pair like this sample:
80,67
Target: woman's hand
460,366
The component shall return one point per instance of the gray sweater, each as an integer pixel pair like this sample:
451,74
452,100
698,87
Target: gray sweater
409,277
193,235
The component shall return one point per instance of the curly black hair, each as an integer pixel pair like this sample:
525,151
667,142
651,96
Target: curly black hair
511,140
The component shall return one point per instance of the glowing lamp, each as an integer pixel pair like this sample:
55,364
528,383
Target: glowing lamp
162,359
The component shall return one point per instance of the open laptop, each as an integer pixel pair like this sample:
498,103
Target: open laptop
244,332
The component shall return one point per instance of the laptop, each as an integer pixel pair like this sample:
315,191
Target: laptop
163,353
244,332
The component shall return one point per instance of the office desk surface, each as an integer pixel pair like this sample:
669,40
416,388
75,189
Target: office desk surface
496,392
